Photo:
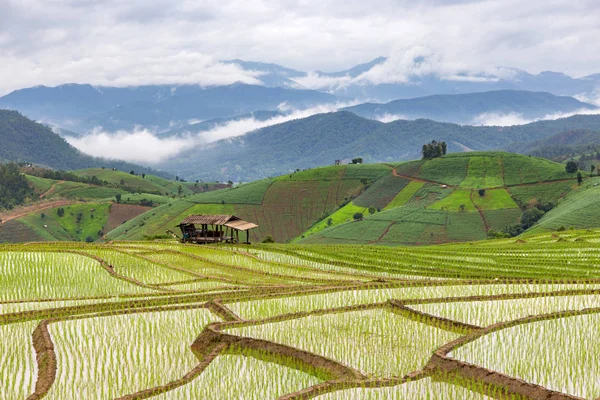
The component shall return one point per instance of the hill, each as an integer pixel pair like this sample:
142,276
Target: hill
416,202
323,138
24,140
83,107
466,108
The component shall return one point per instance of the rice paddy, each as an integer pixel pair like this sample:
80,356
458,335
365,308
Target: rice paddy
133,320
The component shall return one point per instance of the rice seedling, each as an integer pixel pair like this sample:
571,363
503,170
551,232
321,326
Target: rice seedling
376,342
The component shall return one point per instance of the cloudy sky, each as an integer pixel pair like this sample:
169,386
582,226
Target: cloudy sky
125,42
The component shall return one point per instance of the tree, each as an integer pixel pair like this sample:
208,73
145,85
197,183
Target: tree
579,178
143,176
268,239
481,192
462,207
230,183
357,160
530,217
118,197
433,150
571,167
372,210
357,216
179,190
329,221
60,212
592,168
132,172
89,239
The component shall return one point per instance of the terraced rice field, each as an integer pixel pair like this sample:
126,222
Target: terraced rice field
136,320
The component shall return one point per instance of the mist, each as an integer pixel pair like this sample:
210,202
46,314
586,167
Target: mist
144,146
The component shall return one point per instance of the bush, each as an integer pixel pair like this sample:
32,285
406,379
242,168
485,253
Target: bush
372,210
530,217
571,167
358,216
481,192
89,239
268,239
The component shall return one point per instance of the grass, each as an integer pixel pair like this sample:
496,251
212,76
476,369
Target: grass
483,172
494,199
447,170
113,338
344,214
382,192
405,194
90,366
397,346
454,202
556,354
78,222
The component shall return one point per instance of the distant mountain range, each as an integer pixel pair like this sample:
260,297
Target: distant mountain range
171,109
467,108
355,82
24,140
80,108
323,138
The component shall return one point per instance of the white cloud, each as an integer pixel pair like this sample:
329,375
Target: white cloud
510,119
112,42
390,117
136,146
144,146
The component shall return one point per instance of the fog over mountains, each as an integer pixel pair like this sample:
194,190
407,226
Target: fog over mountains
163,125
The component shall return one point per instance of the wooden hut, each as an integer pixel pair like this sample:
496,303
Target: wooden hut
214,228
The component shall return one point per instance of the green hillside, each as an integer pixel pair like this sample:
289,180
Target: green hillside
416,202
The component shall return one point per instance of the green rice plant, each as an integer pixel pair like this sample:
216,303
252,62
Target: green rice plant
242,377
138,268
18,370
40,275
559,354
397,346
422,389
484,313
111,356
258,309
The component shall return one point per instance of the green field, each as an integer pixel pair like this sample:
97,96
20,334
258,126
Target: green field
297,206
129,319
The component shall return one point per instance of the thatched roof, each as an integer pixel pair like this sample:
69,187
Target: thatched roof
230,221
209,219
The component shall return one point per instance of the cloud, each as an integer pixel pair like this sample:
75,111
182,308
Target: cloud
112,42
390,117
143,146
510,119
136,146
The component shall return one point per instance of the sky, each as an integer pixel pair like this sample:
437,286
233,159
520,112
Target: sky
132,42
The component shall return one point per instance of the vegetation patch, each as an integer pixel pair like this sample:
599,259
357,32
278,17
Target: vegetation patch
405,194
458,201
493,199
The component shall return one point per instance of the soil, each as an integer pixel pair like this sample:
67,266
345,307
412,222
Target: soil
120,213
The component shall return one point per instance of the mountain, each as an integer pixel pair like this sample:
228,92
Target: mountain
409,203
27,141
210,124
83,107
321,139
356,82
466,108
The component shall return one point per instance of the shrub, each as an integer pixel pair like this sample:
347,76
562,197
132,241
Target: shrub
268,239
481,192
358,216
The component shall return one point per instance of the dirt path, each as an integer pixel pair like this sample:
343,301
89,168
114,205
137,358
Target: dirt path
487,227
23,211
395,173
51,190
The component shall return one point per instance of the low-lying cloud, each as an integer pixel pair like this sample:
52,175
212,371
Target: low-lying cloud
144,146
139,145
513,118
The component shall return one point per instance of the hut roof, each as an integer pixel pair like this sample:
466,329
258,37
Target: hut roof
230,221
241,225
209,219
